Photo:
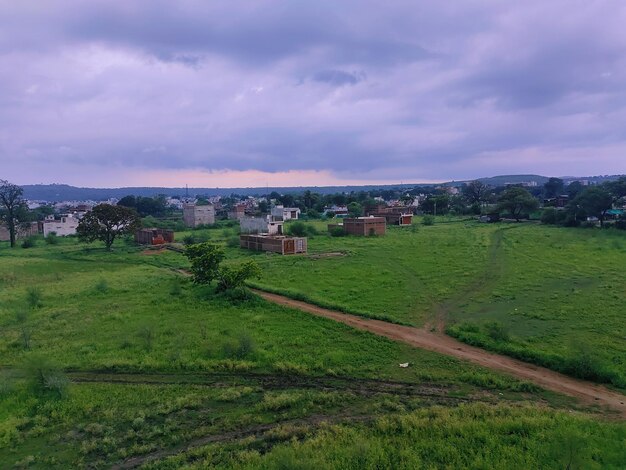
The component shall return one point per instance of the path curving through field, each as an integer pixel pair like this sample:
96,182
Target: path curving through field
587,392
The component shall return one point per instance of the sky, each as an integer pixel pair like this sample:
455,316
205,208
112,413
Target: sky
109,93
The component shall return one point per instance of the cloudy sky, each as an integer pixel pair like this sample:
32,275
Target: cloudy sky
256,93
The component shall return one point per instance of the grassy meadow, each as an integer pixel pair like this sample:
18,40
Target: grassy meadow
550,295
109,357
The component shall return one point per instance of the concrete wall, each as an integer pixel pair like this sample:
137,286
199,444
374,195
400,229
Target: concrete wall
194,215
261,225
65,226
22,231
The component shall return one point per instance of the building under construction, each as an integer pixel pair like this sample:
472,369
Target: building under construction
154,236
274,244
362,226
394,215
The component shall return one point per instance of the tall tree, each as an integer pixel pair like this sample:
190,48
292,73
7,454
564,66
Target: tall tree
475,192
517,202
13,204
106,222
553,187
594,201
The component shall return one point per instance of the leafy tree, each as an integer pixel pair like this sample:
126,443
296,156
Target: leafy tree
517,202
594,201
13,206
617,189
206,259
553,187
355,209
233,277
106,222
574,188
475,192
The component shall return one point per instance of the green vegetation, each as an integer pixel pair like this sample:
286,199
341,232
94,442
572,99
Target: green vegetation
550,291
108,356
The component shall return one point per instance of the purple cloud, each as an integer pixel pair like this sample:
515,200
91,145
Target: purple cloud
408,91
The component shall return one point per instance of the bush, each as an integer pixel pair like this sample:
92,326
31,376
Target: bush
549,216
52,239
298,229
29,242
233,242
101,286
337,232
33,297
46,377
428,220
496,331
242,348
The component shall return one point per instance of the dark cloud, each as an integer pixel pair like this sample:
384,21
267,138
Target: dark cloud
338,77
409,89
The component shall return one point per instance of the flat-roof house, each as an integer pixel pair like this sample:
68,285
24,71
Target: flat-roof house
194,215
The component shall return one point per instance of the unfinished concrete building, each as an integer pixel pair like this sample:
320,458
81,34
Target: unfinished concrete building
274,244
154,236
394,215
261,225
365,226
194,215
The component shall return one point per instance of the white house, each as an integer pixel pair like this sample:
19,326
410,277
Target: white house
285,213
64,226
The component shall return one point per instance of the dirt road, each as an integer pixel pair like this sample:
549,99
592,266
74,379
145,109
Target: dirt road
587,392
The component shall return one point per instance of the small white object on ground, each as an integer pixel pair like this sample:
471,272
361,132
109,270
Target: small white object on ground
404,364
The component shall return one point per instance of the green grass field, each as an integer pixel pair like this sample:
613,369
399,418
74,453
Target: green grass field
554,296
111,356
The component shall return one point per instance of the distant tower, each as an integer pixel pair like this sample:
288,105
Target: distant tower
186,190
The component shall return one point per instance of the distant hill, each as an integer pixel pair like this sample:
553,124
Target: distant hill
64,192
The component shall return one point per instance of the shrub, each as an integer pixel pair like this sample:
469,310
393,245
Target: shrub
46,377
311,231
337,232
496,331
101,286
28,242
298,229
242,348
428,220
52,239
146,333
33,297
233,242
549,216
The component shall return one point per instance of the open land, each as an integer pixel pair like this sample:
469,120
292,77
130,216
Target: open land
162,373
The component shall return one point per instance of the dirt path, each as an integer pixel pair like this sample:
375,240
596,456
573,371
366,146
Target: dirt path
585,391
